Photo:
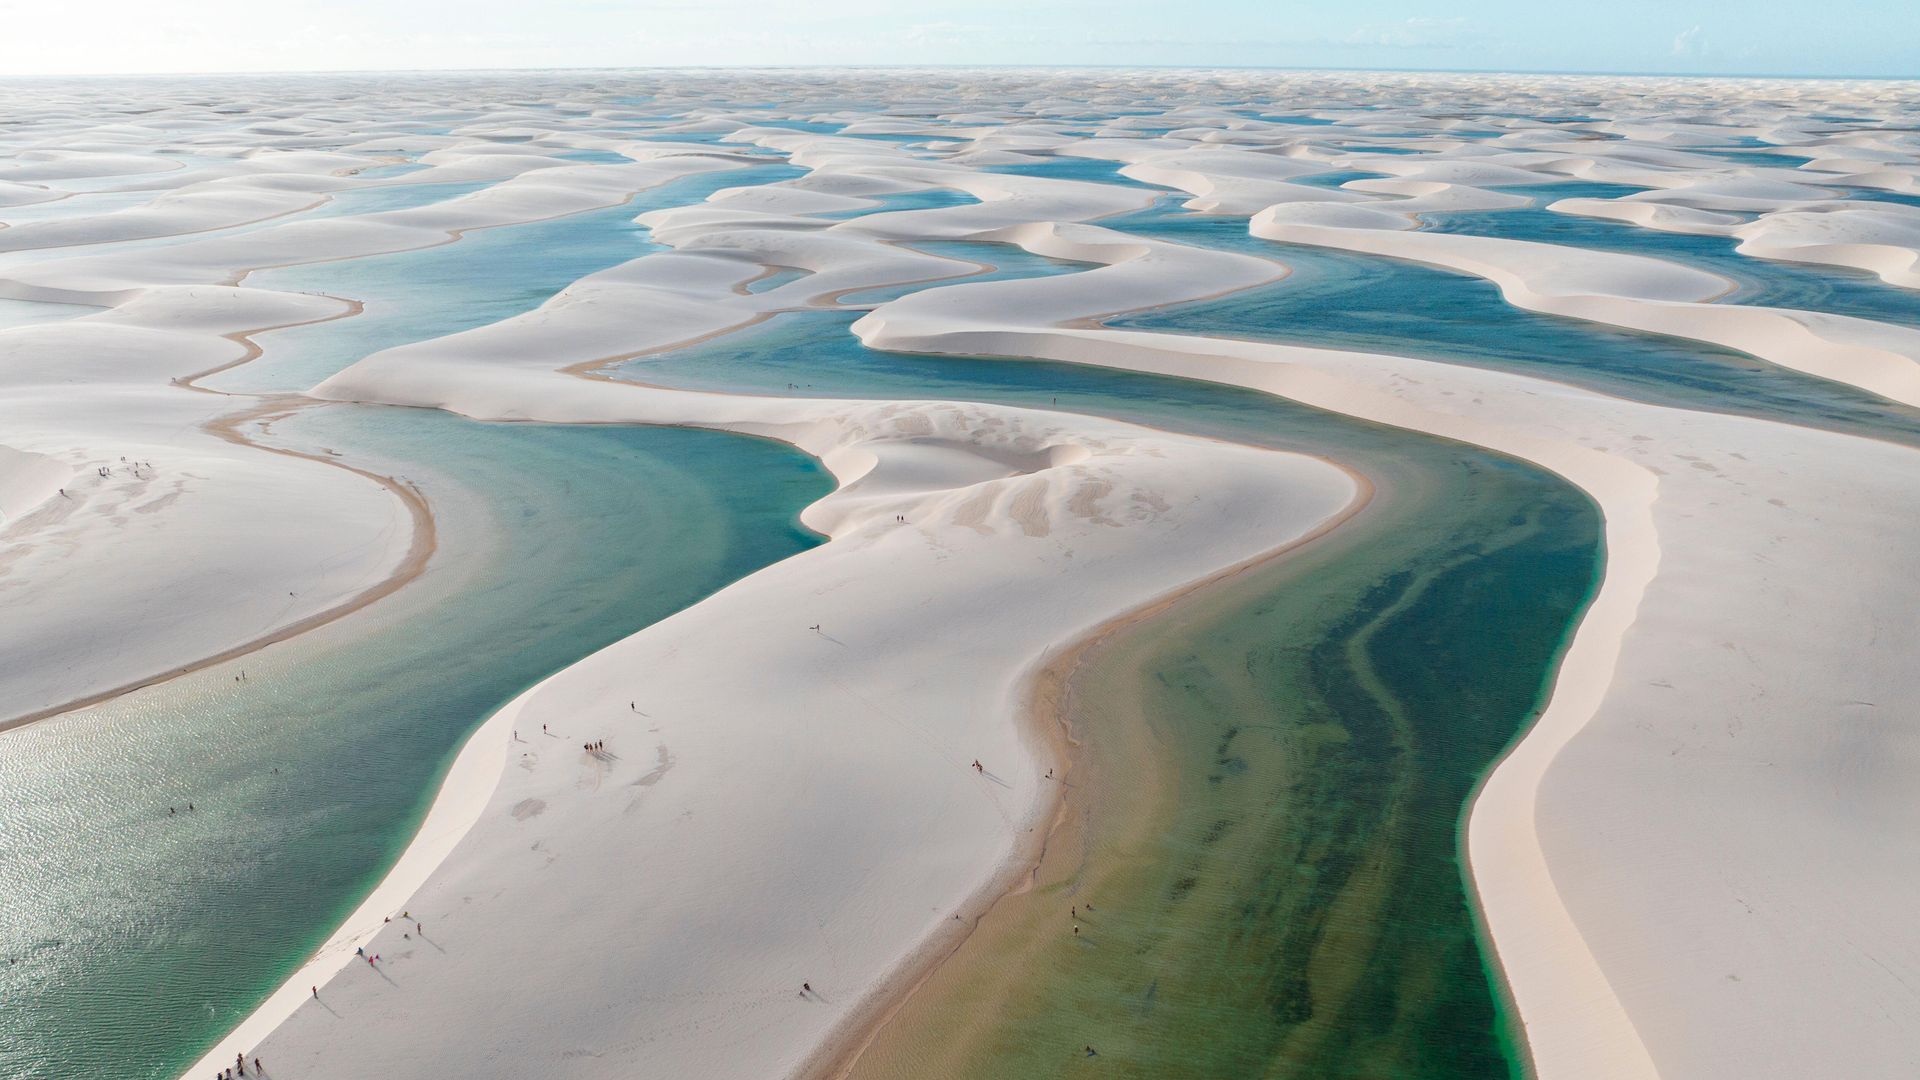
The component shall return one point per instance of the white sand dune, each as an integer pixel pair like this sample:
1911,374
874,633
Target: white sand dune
526,196
190,545
1631,291
1880,238
210,207
1230,182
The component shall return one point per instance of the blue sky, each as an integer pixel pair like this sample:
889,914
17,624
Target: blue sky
1831,37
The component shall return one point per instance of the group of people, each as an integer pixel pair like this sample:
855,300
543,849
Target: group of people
589,747
102,470
105,470
371,959
418,928
1073,912
240,1064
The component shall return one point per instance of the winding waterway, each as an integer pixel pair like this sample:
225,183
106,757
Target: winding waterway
1307,745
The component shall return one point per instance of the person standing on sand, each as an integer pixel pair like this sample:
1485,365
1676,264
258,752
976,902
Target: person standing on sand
316,993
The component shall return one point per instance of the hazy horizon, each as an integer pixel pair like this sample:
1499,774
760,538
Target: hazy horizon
1815,76
1877,39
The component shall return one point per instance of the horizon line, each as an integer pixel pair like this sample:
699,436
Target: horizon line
1595,73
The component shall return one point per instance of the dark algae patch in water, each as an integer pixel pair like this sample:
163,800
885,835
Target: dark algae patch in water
1262,856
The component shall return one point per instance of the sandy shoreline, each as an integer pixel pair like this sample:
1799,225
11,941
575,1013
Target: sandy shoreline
1049,690
411,564
227,428
461,797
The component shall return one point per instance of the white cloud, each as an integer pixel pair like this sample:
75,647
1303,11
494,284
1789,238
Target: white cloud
1417,32
1690,42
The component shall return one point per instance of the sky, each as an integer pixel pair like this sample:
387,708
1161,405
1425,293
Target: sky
1873,38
